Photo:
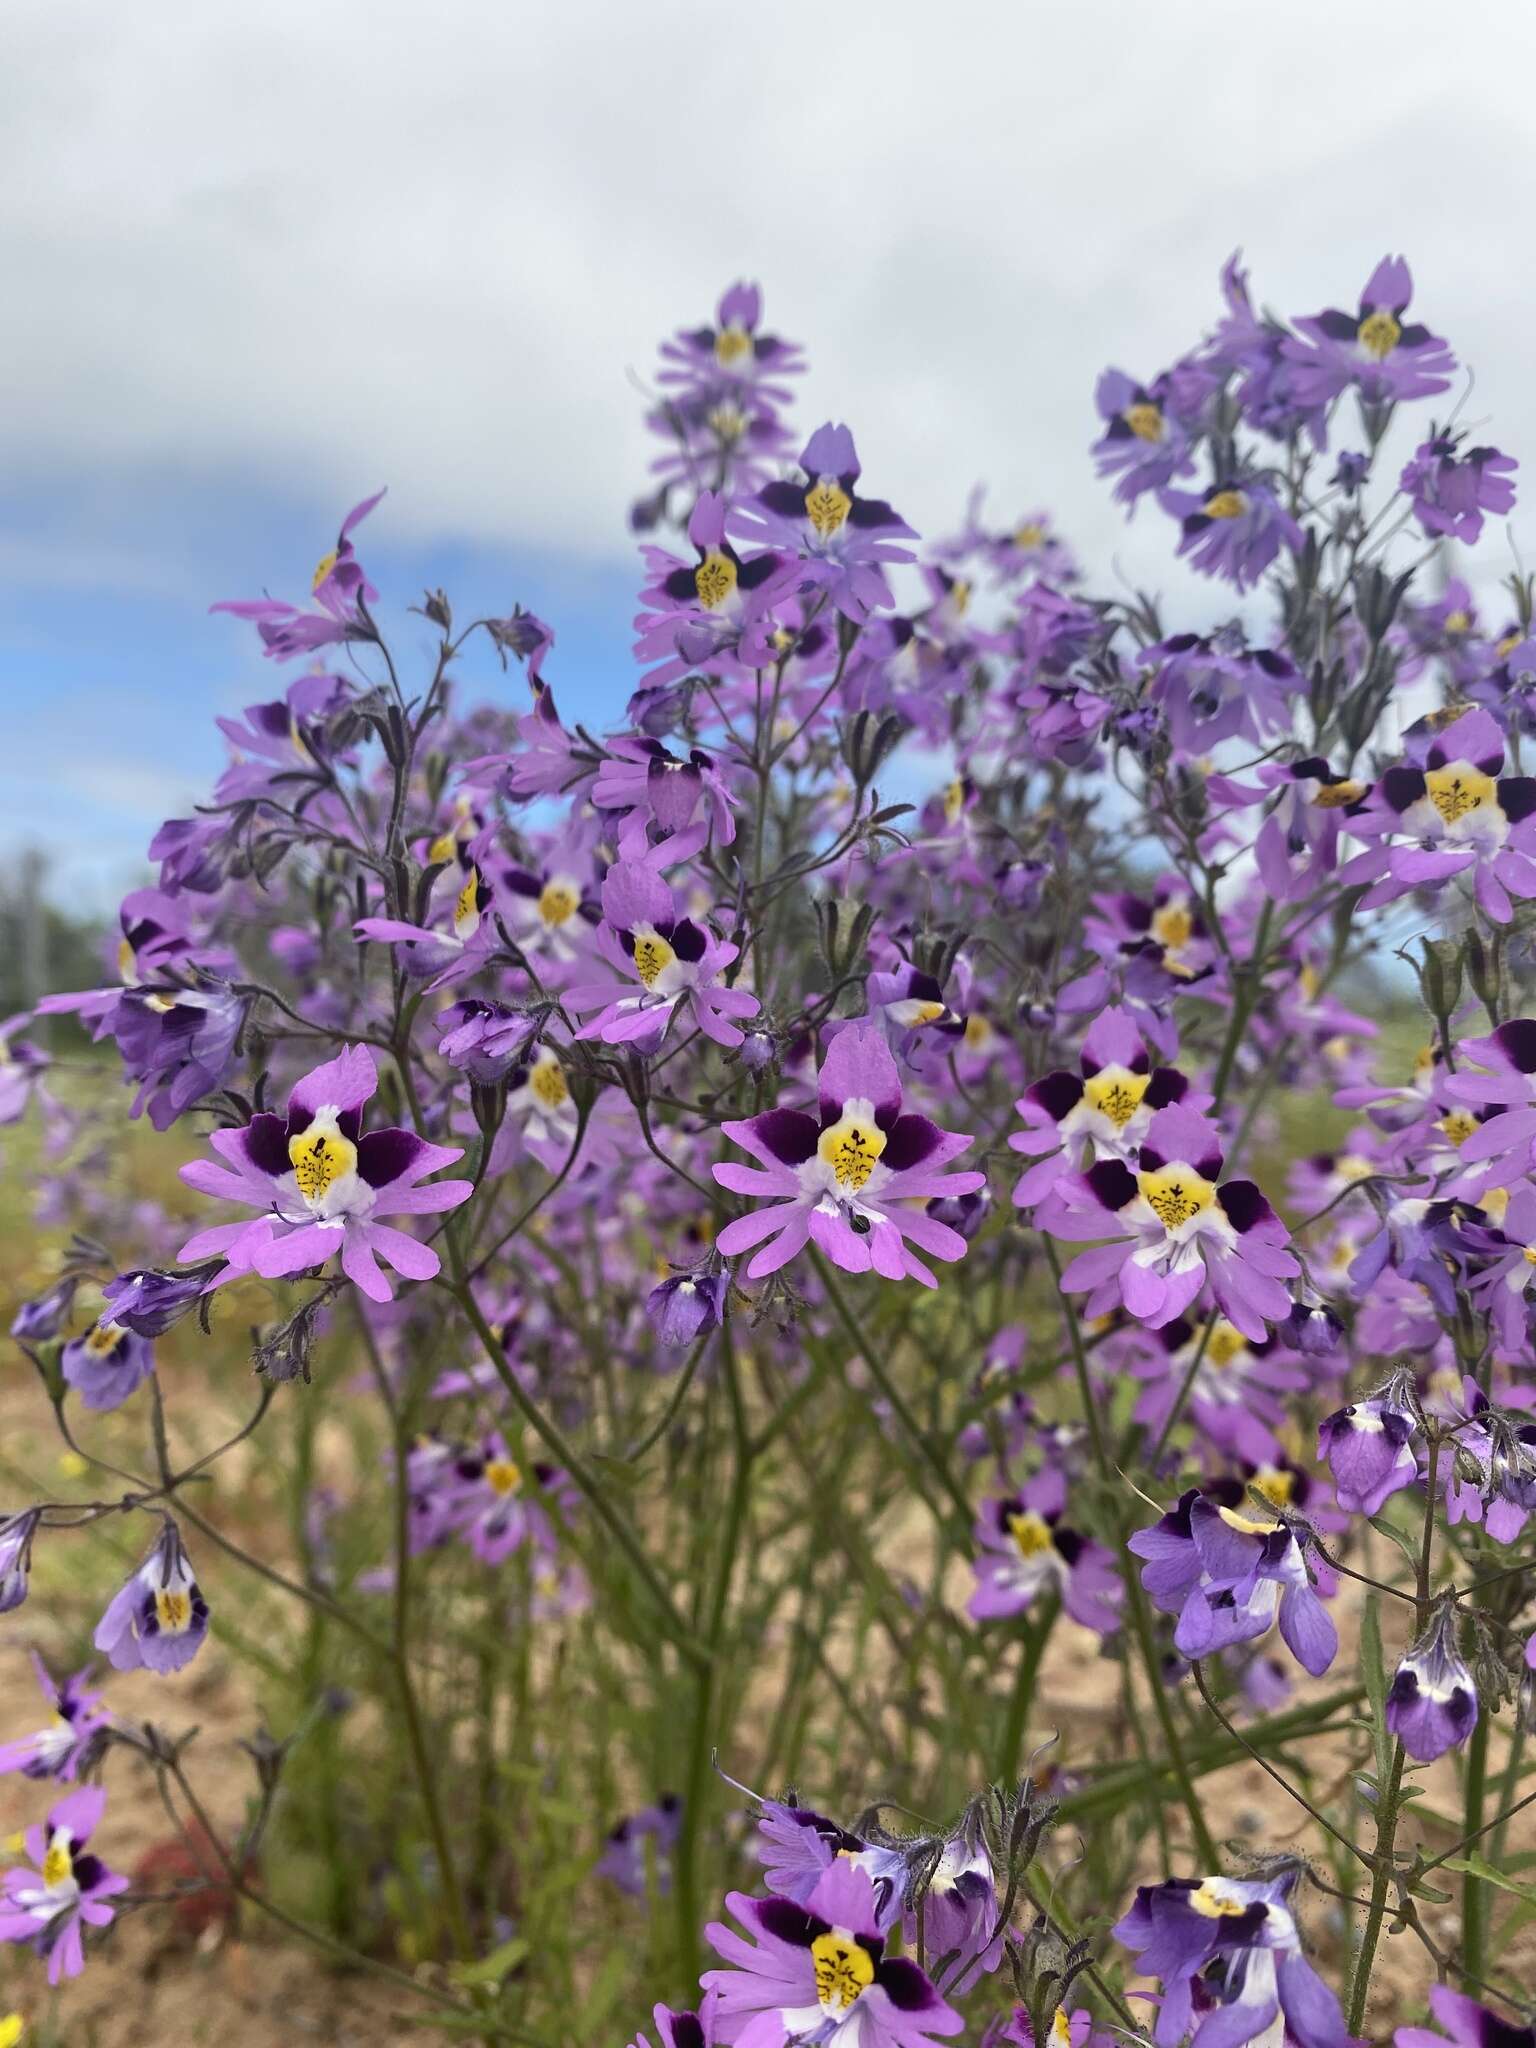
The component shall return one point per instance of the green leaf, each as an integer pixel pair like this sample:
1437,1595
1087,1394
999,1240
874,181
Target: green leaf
1478,1866
492,1968
1373,1670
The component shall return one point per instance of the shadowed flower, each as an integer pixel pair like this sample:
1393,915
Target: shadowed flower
58,1750
1230,1946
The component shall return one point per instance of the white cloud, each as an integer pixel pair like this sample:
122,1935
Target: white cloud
332,245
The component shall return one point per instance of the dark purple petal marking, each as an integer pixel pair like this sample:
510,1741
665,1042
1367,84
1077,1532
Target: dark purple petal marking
1243,1204
1112,1182
384,1155
789,1134
910,1141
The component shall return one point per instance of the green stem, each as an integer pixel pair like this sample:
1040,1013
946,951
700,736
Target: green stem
892,1393
1031,1650
1474,1892
701,1742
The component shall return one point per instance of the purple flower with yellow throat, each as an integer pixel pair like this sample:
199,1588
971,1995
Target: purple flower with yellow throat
157,1620
340,592
322,1185
1385,357
1229,1955
820,1973
844,1178
1175,1227
840,541
1447,812
67,1887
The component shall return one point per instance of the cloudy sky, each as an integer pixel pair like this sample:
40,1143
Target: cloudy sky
258,259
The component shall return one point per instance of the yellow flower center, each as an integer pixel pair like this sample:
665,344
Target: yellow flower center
558,902
728,421
546,1081
1333,796
1030,535
1458,1125
843,1969
1276,1486
1061,2029
1379,333
652,954
1225,505
851,1147
827,505
954,801
714,580
1173,926
323,568
1214,1904
320,1157
502,1476
58,1864
1030,1532
1458,789
104,1339
127,965
466,910
1145,420
960,596
978,1032
173,1609
1224,1345
1458,622
1115,1092
1175,1194
731,344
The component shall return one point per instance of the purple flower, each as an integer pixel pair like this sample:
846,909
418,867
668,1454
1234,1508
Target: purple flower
1143,444
841,541
687,1306
59,1750
158,1619
1468,2024
1234,530
322,1185
1451,491
107,1364
1432,1703
42,1317
819,1972
16,1533
484,1040
648,785
1453,814
1026,1551
705,616
843,1178
1373,349
684,2029
1173,1228
1100,1112
46,1905
150,1302
625,1857
1230,1944
1228,1579
662,961
1368,1448
340,590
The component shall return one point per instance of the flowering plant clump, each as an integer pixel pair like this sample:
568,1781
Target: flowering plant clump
1148,1588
